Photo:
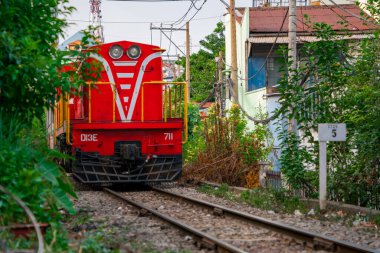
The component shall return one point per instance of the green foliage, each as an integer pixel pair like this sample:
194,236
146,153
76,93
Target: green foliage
223,191
194,118
96,242
373,7
255,145
293,158
30,77
376,219
28,63
214,42
196,143
28,171
267,199
273,199
203,68
27,162
337,80
81,218
29,58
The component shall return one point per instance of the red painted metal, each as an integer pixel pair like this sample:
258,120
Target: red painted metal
156,136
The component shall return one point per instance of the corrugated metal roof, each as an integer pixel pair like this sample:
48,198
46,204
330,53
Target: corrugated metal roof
300,39
269,19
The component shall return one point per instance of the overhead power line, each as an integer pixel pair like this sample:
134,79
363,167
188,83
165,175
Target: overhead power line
342,17
204,1
184,15
140,22
353,14
229,85
270,51
169,38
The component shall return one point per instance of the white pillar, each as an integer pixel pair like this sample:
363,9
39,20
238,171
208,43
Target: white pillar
322,175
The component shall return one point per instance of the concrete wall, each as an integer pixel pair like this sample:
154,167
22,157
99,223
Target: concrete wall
250,101
242,35
253,102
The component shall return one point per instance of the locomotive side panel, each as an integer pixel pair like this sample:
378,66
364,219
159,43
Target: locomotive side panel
101,103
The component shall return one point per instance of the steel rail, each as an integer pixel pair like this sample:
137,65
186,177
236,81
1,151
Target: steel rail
205,239
312,240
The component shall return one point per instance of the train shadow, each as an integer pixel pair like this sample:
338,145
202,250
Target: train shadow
119,187
129,187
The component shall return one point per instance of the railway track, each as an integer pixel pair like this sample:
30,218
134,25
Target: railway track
252,231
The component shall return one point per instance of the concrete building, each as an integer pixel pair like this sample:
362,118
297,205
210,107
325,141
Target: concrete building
260,32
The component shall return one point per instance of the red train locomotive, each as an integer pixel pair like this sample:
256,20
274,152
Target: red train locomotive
128,126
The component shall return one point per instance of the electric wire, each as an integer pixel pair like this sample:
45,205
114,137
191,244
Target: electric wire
171,33
161,37
270,51
212,92
353,14
184,15
141,22
193,1
257,121
151,34
194,13
313,33
277,113
170,40
344,18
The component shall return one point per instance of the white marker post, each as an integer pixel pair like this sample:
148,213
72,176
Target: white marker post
327,132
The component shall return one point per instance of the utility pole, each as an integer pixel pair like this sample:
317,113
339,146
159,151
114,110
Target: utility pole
292,34
178,67
162,29
188,59
220,82
292,47
233,49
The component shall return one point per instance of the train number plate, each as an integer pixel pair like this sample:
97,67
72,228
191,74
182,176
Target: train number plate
89,137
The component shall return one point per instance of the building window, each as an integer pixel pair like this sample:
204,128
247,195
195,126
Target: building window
274,73
256,73
263,72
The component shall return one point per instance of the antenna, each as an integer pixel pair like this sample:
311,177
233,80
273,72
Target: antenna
96,18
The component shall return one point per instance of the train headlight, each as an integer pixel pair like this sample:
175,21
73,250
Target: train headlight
115,52
134,52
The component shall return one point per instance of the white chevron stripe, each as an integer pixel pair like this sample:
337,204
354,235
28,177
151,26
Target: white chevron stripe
125,63
125,86
112,80
138,82
125,75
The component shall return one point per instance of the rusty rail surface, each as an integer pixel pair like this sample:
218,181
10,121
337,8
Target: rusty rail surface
312,240
204,239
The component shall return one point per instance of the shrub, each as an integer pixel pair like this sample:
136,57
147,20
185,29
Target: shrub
224,151
29,172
